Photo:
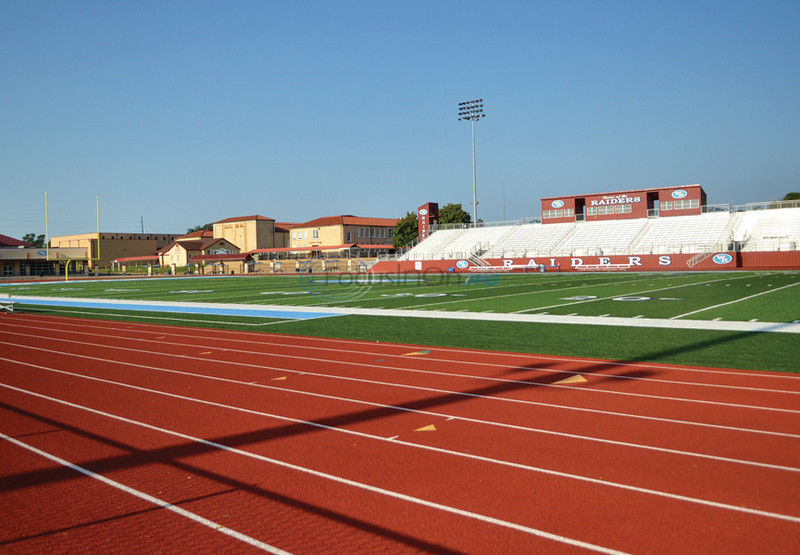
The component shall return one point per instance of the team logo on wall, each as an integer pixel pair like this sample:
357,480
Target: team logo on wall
557,203
680,193
221,251
423,211
722,258
462,264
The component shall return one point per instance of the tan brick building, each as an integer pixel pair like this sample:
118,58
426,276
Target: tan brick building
248,232
104,247
182,252
343,230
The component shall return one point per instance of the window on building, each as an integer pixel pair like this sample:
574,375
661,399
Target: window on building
666,205
685,204
349,237
315,234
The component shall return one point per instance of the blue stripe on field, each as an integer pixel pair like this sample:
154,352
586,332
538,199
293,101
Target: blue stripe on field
214,310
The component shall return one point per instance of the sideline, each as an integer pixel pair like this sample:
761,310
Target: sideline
309,313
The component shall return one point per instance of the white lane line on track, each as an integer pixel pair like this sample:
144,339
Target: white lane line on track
434,373
263,339
436,390
447,417
532,368
149,498
509,464
346,481
734,301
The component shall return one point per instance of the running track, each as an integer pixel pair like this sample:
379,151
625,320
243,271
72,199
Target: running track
122,436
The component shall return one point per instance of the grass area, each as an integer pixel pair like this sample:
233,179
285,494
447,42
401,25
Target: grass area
745,350
743,296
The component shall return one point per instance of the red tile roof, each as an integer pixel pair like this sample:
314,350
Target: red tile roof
322,248
201,234
193,244
350,220
6,241
284,226
244,219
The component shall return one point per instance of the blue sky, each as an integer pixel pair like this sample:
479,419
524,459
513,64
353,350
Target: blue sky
185,113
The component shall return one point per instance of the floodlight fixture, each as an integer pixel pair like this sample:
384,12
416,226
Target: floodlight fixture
472,110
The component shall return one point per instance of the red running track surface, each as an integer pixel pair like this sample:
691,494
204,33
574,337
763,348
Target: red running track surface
143,437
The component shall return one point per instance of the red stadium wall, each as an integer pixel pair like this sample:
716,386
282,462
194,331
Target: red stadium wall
786,260
644,262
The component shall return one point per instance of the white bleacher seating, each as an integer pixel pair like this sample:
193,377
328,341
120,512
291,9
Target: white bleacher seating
601,237
768,230
530,240
685,234
762,230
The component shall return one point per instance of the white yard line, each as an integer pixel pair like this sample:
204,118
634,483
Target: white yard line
626,294
735,301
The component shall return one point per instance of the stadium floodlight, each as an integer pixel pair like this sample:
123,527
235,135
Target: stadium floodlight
472,110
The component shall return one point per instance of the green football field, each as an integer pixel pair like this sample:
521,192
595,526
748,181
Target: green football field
728,296
766,297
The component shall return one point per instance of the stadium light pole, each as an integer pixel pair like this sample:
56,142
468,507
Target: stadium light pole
472,110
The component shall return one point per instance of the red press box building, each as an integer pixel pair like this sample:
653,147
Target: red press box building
683,200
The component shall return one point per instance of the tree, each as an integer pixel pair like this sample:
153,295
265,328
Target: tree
405,231
33,239
453,214
792,196
207,227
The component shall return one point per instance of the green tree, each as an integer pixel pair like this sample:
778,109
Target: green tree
792,196
405,231
453,214
33,239
207,227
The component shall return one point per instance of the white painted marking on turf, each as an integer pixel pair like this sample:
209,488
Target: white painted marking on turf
382,491
735,301
611,297
146,497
